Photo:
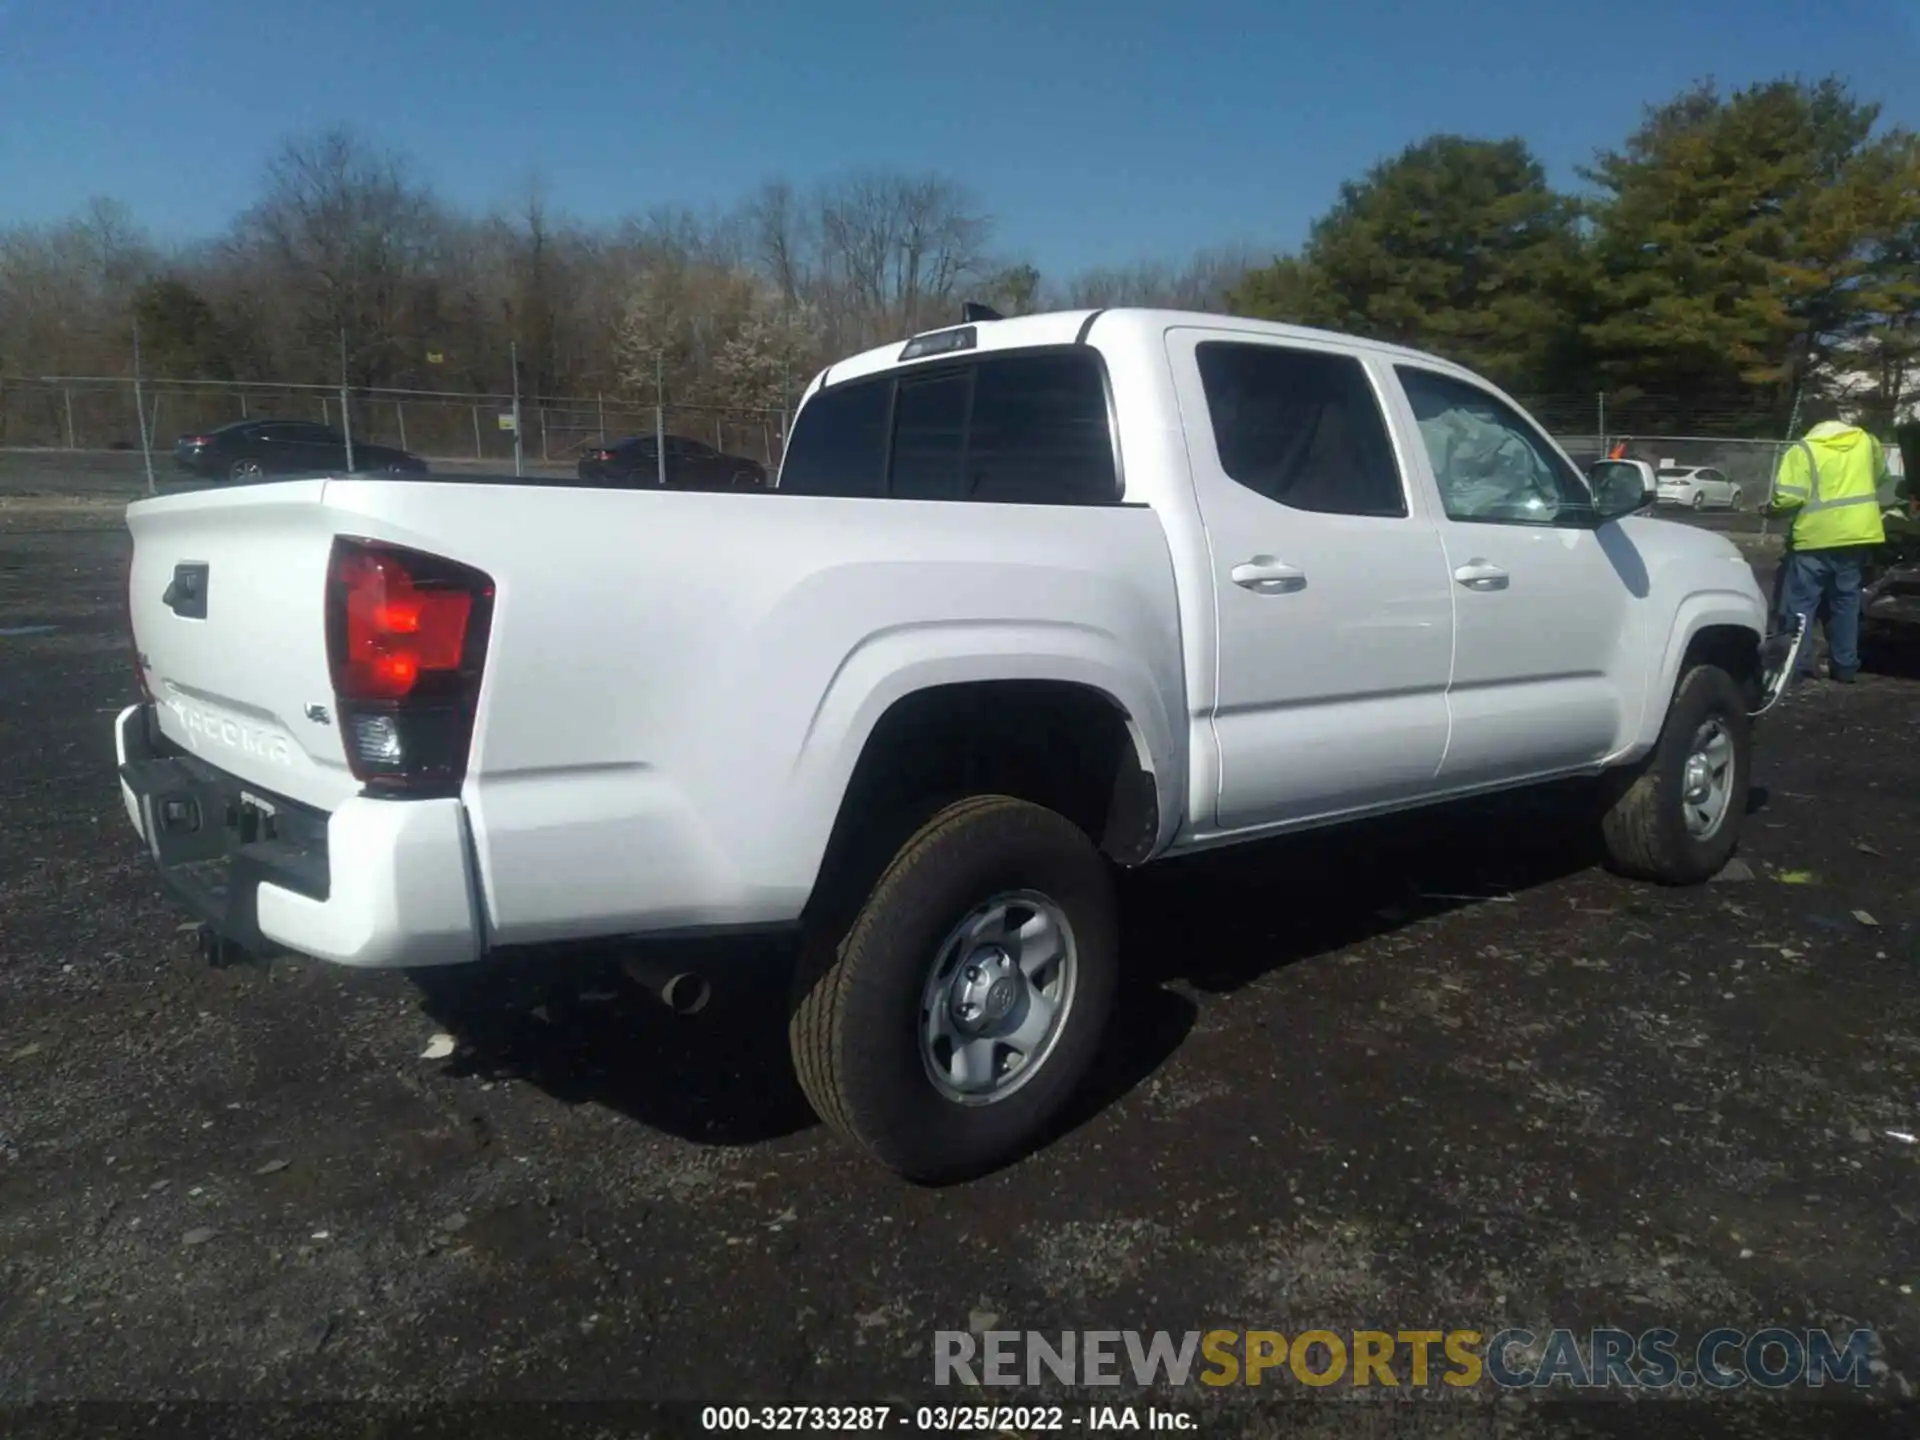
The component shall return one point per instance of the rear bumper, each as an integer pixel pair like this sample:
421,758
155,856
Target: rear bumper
379,884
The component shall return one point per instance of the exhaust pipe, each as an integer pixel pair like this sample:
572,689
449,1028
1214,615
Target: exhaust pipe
681,991
686,994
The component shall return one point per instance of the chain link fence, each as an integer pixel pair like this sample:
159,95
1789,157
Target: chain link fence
99,413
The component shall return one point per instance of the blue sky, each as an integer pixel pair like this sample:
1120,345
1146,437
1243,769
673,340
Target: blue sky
1095,133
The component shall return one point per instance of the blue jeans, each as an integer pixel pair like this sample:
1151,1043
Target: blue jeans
1834,576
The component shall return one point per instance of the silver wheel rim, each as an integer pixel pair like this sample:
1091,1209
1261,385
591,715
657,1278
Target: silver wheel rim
1706,781
245,469
997,997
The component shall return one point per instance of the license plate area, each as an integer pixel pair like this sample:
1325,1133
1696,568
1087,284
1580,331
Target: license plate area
200,818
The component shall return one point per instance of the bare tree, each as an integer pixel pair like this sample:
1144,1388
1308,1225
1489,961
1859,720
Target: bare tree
781,240
66,292
739,306
1201,283
346,231
896,248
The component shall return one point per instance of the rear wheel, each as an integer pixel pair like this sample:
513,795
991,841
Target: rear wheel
1699,501
1676,817
242,471
944,1030
1733,498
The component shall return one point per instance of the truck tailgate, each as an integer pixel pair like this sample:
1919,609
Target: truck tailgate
227,600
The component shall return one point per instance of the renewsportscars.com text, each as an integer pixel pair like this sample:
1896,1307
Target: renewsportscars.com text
1601,1359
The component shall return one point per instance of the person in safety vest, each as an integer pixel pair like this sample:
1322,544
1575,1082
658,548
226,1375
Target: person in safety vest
1829,483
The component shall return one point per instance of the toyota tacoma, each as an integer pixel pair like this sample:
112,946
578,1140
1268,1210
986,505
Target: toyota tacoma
1029,600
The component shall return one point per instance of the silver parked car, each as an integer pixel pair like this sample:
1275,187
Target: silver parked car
1698,487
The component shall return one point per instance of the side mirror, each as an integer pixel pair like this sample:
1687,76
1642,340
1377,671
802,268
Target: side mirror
1620,487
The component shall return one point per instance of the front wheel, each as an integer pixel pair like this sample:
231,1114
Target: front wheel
1676,817
947,1027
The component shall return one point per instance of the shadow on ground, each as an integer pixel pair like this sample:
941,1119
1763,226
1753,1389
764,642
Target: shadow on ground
1211,924
574,1025
1893,652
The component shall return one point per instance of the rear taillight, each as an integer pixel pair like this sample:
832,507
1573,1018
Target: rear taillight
406,641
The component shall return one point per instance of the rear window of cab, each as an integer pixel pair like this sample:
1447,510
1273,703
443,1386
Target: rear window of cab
1013,427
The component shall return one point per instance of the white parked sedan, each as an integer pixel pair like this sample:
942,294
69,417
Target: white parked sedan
1698,487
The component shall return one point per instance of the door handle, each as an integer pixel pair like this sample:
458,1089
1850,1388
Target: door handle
1479,575
1265,575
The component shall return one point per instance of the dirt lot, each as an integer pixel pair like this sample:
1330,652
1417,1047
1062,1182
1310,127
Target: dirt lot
1343,1096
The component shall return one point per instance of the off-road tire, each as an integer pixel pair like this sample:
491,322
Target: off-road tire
1642,825
854,1028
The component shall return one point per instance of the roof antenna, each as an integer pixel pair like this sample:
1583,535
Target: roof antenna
972,311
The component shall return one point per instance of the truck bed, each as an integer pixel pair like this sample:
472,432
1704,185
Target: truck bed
676,684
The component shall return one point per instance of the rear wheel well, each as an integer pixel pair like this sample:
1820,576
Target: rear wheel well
1732,648
1058,744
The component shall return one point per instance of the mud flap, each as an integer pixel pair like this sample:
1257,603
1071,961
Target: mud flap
1779,657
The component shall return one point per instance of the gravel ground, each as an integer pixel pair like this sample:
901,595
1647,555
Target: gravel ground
1342,1096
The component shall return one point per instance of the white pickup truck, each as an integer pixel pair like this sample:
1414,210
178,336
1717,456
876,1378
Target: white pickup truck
1032,598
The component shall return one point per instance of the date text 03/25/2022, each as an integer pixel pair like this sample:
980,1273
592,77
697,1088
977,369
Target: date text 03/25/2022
944,1419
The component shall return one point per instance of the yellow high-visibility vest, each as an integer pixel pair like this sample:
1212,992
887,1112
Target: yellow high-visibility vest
1830,482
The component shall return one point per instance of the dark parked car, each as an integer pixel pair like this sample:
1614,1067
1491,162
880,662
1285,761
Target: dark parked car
690,465
254,449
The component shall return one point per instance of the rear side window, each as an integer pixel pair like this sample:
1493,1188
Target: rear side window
930,436
1040,432
299,432
1301,427
1025,427
839,442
